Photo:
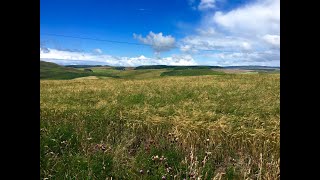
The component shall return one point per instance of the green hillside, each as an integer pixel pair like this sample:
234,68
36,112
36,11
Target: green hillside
191,72
50,70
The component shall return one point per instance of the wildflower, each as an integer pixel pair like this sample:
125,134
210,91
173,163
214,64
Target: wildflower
163,177
141,171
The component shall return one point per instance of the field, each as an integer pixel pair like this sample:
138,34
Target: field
55,72
160,127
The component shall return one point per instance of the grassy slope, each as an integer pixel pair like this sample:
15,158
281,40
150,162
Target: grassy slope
191,72
53,71
154,73
130,74
113,127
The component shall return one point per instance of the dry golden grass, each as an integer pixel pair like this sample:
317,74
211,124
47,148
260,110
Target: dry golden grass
208,127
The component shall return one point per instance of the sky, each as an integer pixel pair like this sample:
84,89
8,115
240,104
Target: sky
166,32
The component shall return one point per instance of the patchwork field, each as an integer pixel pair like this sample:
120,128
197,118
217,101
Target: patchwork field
224,126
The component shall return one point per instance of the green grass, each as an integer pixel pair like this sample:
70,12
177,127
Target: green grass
191,72
175,67
55,72
128,74
203,126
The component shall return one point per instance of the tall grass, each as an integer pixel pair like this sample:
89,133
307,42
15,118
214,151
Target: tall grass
202,127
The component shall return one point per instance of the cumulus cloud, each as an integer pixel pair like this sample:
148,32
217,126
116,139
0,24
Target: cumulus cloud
68,58
206,4
158,42
260,17
250,28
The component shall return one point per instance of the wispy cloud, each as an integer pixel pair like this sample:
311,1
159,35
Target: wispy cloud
97,51
206,4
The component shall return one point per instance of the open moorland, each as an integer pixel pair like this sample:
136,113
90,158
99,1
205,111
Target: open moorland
159,123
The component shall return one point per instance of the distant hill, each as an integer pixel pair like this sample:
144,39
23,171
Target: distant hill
50,70
191,72
251,67
84,66
175,67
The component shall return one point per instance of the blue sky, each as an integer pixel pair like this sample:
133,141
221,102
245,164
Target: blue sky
172,32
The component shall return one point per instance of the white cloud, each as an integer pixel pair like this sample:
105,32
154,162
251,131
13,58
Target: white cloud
206,4
246,46
247,31
44,50
274,40
67,58
221,43
188,48
261,17
179,60
98,51
265,58
158,42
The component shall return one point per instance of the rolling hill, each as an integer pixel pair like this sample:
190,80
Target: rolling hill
50,70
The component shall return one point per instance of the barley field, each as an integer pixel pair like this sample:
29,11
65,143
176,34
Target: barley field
171,127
